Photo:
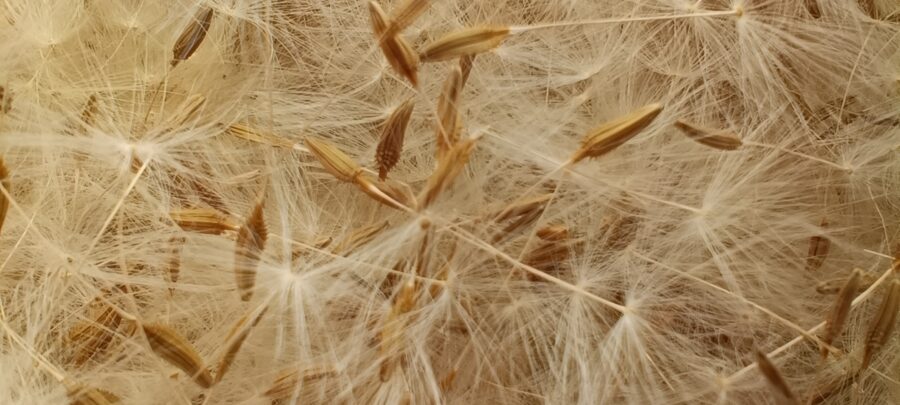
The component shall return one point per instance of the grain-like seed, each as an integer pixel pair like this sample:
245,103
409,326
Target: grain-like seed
81,395
94,336
468,41
466,62
721,140
613,134
251,240
833,286
835,322
235,339
173,265
359,237
405,14
819,245
553,233
192,36
335,162
387,154
288,381
394,326
89,112
6,184
883,324
397,190
251,134
448,168
187,111
447,382
203,220
776,382
448,129
398,52
176,350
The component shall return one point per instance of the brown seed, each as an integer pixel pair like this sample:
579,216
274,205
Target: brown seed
466,63
468,41
4,100
176,350
288,381
335,162
387,154
251,134
89,112
553,233
203,220
448,113
404,14
812,6
835,322
396,49
396,190
883,323
5,183
818,250
447,381
187,111
394,326
448,168
613,134
192,36
173,265
94,336
81,395
359,237
549,256
235,339
776,382
834,285
715,139
251,240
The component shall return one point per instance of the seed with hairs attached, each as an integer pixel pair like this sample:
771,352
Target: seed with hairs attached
175,349
192,36
247,132
468,41
448,168
405,13
776,382
396,49
387,154
448,113
883,324
5,183
251,240
235,340
335,162
610,135
819,245
203,220
835,322
715,139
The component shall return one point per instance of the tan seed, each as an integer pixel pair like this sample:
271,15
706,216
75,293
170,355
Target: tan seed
883,323
251,134
175,349
251,240
448,113
387,154
613,134
192,36
819,245
835,323
235,339
715,139
335,162
203,220
468,41
776,382
5,183
448,168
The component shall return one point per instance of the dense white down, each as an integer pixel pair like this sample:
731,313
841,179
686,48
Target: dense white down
678,261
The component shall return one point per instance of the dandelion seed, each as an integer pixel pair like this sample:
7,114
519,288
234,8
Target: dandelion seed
883,324
387,154
288,381
335,162
203,220
609,136
776,382
818,250
81,395
396,50
468,41
841,309
251,240
5,183
176,350
466,63
448,113
89,112
94,336
235,339
714,139
553,233
251,134
405,14
359,237
394,326
192,36
447,170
